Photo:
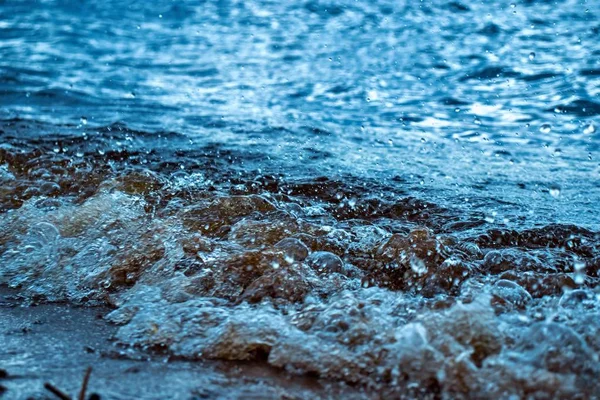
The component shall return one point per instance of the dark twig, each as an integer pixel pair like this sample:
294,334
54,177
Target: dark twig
62,396
55,391
84,385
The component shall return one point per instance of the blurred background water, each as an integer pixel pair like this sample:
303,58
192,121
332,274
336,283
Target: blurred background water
462,100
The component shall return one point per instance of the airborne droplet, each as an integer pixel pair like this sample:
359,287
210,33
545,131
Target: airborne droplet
579,272
546,128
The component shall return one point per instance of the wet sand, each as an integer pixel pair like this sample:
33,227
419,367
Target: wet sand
56,343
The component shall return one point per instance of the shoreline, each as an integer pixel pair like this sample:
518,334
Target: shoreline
56,343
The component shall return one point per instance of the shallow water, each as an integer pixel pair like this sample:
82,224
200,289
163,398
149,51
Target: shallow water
401,196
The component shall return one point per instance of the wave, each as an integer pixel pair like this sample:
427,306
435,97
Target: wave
316,276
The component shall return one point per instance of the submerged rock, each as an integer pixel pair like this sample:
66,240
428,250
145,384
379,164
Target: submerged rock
210,217
289,283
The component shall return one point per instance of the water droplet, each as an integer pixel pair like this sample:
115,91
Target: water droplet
589,129
531,56
83,121
457,109
555,192
477,121
546,128
579,272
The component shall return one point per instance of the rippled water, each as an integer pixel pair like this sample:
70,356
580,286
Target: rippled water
402,196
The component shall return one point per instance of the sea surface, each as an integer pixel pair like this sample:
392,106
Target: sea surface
399,195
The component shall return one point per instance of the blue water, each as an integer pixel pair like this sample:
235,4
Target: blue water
449,96
479,121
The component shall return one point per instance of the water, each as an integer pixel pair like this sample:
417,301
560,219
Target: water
398,195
